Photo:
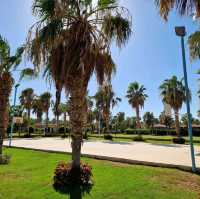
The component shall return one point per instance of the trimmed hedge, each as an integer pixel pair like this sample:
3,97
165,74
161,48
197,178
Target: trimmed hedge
160,132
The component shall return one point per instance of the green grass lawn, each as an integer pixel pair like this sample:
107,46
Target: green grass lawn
29,176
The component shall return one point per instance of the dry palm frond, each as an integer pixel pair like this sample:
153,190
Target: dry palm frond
184,7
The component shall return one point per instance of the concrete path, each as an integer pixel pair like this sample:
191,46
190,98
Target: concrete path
139,151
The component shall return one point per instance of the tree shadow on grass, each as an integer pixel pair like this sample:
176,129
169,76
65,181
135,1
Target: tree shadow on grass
75,191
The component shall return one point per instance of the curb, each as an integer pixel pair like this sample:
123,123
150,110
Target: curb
119,160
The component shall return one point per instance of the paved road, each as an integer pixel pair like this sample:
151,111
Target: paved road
168,154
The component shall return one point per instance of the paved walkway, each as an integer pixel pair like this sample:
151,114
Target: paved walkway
139,151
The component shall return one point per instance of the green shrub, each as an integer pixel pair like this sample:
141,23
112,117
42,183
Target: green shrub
4,159
66,177
27,135
178,140
108,137
138,138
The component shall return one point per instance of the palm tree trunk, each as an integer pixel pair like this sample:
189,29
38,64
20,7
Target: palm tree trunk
177,124
138,125
57,123
106,118
5,90
47,122
77,103
29,116
65,118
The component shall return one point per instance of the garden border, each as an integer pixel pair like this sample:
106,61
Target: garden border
115,159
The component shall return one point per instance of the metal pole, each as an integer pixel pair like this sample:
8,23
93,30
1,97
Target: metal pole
12,124
188,106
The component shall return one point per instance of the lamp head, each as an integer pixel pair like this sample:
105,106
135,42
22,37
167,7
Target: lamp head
17,85
180,31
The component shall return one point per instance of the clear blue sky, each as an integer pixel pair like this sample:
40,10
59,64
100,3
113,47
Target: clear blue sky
152,54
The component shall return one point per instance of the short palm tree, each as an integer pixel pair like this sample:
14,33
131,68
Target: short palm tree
73,38
37,108
26,100
136,97
46,103
187,7
173,92
8,63
105,99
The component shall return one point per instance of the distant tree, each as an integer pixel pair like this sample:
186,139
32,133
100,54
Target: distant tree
131,122
37,109
136,97
26,100
184,120
173,92
166,120
64,107
90,115
105,100
149,119
198,113
46,103
196,121
156,121
57,113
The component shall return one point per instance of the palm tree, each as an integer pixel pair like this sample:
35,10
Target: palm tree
38,109
26,100
136,98
105,100
183,6
64,107
173,92
89,115
149,119
57,112
46,103
8,63
184,120
74,38
166,120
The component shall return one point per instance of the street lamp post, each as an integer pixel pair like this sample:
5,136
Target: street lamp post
12,124
180,31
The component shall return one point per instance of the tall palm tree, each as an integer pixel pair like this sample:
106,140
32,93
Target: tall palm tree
173,92
136,97
105,100
8,63
26,100
74,38
184,7
38,109
46,103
